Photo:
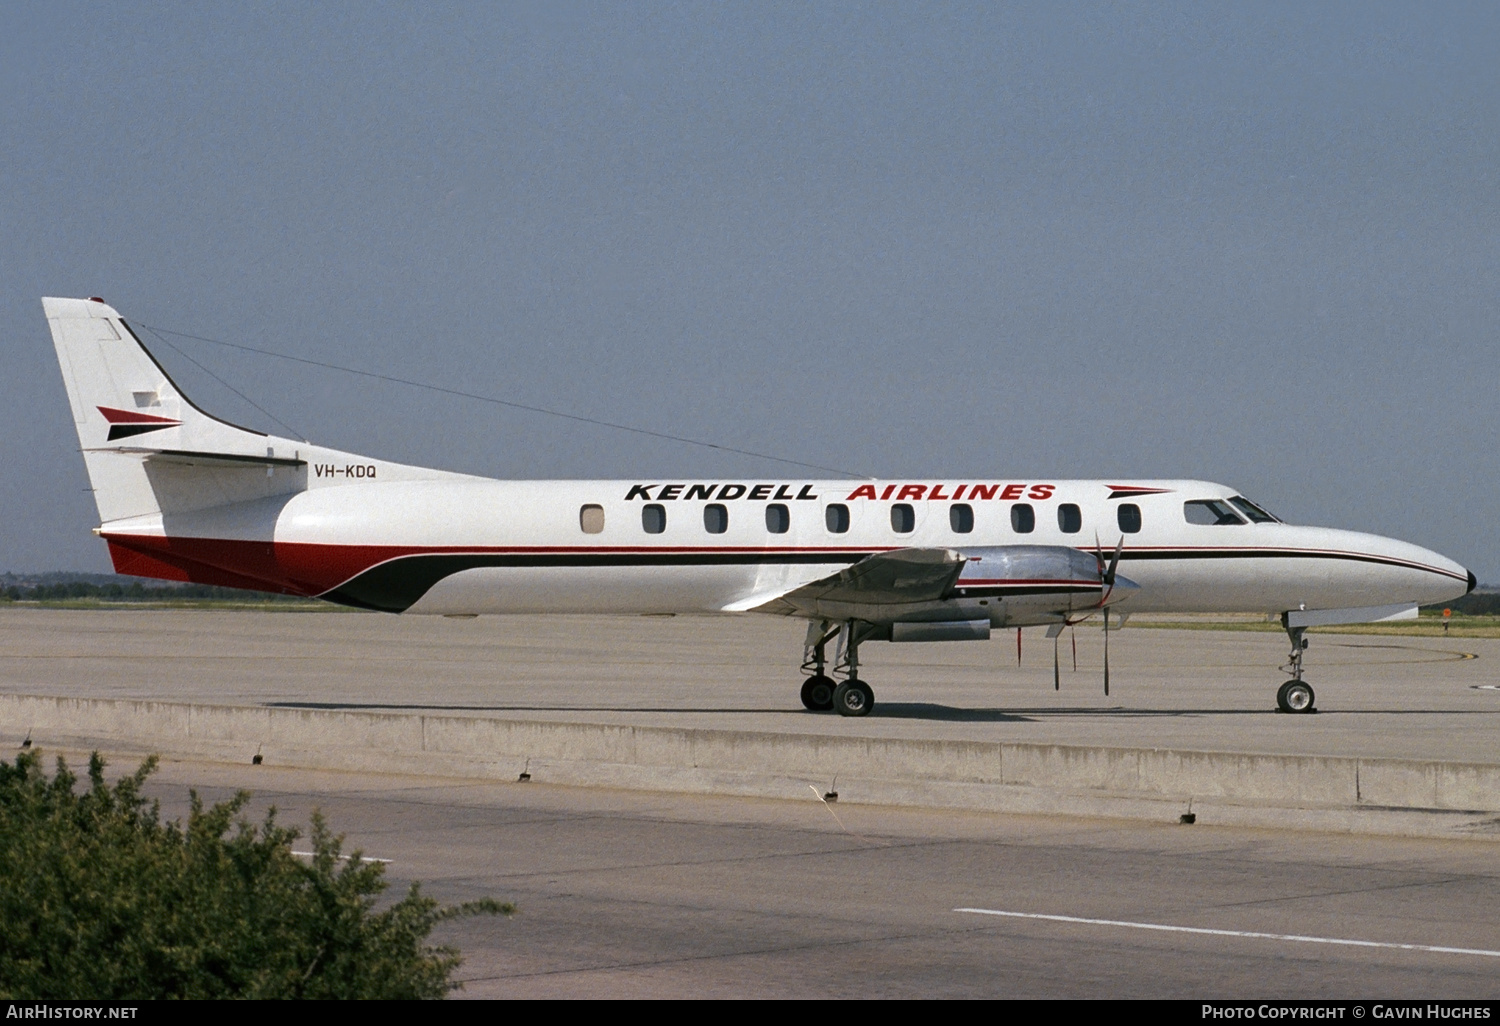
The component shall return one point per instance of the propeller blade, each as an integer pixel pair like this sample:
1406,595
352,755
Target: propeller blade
1106,653
1073,637
1018,646
1056,673
1114,561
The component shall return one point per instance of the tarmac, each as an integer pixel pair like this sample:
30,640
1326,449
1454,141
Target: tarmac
672,873
1404,741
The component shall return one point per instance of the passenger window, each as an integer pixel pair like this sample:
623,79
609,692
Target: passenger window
591,519
1069,518
715,518
1022,518
778,518
1128,514
961,518
903,518
837,517
653,518
1210,512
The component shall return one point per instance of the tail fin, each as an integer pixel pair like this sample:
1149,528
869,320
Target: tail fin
129,412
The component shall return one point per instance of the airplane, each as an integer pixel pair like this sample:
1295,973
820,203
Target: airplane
185,496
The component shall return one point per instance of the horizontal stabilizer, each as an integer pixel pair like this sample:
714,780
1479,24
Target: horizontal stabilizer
185,457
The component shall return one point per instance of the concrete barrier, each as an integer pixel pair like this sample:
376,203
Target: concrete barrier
1322,792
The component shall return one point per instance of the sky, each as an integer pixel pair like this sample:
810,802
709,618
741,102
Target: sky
1251,243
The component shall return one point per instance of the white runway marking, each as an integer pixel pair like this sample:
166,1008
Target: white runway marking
342,858
1299,938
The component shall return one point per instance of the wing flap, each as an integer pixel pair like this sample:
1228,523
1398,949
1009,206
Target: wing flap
901,577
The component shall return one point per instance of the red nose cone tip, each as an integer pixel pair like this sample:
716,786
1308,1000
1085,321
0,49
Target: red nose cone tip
1473,582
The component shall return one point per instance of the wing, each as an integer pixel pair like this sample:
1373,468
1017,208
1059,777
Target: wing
885,582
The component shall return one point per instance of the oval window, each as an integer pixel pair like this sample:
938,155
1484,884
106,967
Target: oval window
903,518
1069,518
1022,518
1129,517
653,518
837,517
778,518
591,519
715,518
961,518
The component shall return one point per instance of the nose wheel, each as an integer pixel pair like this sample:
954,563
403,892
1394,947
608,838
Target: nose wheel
1295,696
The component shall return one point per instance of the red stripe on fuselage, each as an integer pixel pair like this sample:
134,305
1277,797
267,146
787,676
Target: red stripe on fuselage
308,568
293,567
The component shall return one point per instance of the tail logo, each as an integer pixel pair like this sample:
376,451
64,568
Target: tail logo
1133,491
125,423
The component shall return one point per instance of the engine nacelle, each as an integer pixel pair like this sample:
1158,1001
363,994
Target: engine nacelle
1031,581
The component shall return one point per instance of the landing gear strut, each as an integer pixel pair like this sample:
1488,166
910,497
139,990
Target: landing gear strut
821,692
817,690
1295,696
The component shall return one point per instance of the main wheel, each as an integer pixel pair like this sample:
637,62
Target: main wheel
817,693
1295,697
853,698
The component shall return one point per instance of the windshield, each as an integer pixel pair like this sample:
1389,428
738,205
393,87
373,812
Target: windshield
1254,512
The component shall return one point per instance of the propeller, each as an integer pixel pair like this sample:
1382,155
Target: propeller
1056,674
1107,571
1107,579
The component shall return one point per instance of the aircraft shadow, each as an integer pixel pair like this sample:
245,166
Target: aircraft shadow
945,713
887,710
430,706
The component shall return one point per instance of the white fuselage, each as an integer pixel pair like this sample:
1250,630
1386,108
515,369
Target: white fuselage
521,546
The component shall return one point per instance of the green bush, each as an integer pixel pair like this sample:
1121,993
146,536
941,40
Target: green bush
100,899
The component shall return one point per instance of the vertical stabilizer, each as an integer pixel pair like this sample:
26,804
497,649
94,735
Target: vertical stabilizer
126,408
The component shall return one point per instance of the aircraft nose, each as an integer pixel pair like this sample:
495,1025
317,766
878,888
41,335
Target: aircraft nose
1473,582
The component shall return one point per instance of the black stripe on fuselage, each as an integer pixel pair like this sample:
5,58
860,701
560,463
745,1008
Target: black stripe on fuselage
395,585
1230,553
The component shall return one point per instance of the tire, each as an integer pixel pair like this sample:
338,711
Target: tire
853,698
1295,696
817,693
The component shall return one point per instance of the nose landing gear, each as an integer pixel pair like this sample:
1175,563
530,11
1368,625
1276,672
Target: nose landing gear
1295,696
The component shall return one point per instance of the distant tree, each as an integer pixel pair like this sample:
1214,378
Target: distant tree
100,899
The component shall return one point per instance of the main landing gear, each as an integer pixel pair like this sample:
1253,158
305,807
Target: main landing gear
820,692
1295,696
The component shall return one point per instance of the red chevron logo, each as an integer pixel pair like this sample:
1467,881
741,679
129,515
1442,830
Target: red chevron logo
125,423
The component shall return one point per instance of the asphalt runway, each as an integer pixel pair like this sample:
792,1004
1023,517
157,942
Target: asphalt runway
639,895
1379,696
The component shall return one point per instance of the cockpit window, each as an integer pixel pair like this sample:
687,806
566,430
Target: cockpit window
1210,512
1254,512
